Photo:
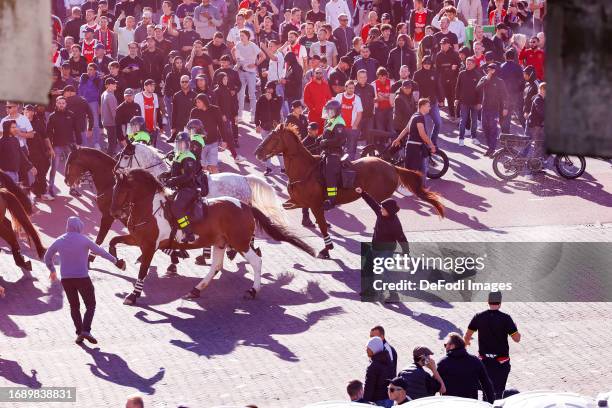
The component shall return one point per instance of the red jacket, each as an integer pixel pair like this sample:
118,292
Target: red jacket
529,56
315,97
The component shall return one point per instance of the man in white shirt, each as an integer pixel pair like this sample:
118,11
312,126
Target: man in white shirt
352,109
248,56
125,35
470,10
26,131
333,9
276,70
91,22
233,37
324,48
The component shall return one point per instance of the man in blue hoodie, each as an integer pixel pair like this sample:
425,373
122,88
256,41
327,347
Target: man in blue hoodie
73,248
90,88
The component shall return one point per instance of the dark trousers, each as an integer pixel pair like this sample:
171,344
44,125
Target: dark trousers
498,373
42,164
515,105
83,287
449,94
383,119
332,174
111,134
24,177
183,202
489,127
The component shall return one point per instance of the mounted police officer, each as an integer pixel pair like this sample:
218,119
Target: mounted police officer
182,178
137,131
197,135
332,141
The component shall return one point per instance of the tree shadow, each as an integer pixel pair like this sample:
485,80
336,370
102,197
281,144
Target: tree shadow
31,301
13,373
223,322
112,368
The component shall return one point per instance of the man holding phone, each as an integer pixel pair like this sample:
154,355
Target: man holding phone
419,383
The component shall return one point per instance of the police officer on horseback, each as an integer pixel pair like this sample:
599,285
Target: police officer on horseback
331,143
197,135
137,132
182,178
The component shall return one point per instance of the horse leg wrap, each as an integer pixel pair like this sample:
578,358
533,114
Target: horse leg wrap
328,242
138,287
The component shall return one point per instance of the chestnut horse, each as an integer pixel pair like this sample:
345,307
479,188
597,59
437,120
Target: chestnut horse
227,222
375,176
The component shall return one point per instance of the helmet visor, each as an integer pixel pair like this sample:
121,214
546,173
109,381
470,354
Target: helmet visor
181,146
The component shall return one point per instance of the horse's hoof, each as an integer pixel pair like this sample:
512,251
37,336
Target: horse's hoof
130,299
257,251
323,254
121,264
231,254
193,294
250,294
171,271
200,260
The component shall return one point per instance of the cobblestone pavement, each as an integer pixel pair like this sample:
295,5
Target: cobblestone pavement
304,336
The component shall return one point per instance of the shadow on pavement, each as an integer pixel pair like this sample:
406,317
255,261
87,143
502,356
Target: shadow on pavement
13,372
112,368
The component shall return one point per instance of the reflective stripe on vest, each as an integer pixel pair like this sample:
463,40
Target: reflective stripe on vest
335,121
183,155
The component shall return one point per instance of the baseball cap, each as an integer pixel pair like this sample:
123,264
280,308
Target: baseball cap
313,126
110,81
69,88
201,76
493,66
400,382
445,40
99,46
65,64
489,55
427,59
149,82
407,83
297,104
386,16
159,27
128,92
420,351
495,297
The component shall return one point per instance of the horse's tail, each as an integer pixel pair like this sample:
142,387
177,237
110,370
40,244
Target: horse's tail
10,185
19,214
413,180
279,232
265,199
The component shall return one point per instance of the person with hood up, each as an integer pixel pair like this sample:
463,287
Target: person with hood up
292,81
73,248
401,55
531,88
378,373
228,103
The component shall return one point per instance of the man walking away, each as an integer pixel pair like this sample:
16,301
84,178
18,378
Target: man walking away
379,331
494,327
73,248
420,383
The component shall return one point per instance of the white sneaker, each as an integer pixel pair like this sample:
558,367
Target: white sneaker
475,141
47,197
239,159
461,143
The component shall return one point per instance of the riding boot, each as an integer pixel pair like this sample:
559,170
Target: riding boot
188,235
329,203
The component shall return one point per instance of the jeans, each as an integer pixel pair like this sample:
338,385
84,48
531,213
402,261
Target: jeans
73,287
59,151
168,106
280,91
434,114
465,112
352,136
247,79
383,119
111,134
365,126
489,126
95,110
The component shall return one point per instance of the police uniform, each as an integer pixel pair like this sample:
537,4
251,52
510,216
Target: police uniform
182,178
141,136
494,327
332,141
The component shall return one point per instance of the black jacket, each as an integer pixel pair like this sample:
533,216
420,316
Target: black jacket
37,147
444,65
379,51
172,83
530,91
63,128
370,65
398,57
134,78
493,91
233,80
387,229
463,374
72,28
430,85
536,115
12,157
404,107
267,112
367,95
420,383
182,104
343,38
465,91
125,112
153,64
301,122
212,120
227,102
377,377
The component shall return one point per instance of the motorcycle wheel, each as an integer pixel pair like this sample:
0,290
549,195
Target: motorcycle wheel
440,165
503,166
570,167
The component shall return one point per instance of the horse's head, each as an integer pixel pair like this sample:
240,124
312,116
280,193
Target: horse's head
75,168
282,140
133,186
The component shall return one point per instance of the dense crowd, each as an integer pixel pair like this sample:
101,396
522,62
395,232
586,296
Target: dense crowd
171,61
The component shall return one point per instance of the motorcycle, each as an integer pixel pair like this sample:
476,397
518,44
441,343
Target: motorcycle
511,160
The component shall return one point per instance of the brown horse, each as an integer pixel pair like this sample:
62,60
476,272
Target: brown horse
9,202
377,177
227,222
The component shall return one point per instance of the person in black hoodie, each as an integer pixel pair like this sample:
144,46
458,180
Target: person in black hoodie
62,129
463,374
124,113
40,150
228,103
268,115
378,48
531,88
172,85
293,79
494,101
12,157
467,98
378,373
535,123
447,64
402,54
430,87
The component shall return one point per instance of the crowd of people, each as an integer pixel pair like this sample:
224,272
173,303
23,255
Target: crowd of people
457,373
384,61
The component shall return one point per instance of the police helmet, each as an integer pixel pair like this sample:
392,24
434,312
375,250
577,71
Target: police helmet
194,127
182,142
332,109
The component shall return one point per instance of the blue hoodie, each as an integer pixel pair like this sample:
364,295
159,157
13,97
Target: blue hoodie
73,248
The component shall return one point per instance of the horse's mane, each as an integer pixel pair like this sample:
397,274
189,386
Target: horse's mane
94,154
295,132
10,185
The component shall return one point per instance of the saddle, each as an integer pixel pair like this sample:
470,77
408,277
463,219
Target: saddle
347,173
